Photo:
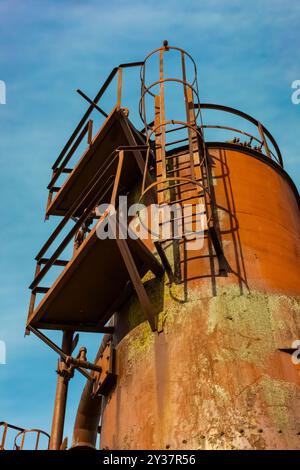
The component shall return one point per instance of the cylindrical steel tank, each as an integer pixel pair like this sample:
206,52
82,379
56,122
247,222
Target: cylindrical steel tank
218,373
214,377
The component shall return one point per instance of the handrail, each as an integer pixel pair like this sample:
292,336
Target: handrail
233,129
20,432
58,170
84,127
12,426
7,426
247,117
68,237
79,201
49,262
91,108
27,431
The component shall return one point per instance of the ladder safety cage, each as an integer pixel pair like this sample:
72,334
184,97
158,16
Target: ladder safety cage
175,184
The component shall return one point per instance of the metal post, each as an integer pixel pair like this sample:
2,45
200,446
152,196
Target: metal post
264,140
64,375
4,436
119,94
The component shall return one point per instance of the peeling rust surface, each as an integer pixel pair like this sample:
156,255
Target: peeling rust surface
214,377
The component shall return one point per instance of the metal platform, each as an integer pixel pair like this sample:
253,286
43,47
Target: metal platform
94,284
117,131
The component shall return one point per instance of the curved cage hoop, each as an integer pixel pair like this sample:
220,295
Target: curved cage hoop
146,88
24,432
183,125
168,180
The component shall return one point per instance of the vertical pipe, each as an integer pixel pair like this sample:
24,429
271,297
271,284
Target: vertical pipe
60,402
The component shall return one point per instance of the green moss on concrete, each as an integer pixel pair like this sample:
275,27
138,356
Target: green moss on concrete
238,408
278,396
140,343
250,322
132,311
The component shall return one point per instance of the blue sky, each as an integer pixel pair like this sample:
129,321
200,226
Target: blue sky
247,55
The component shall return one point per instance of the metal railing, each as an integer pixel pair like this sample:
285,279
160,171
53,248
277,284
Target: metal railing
21,434
93,195
85,126
195,139
262,131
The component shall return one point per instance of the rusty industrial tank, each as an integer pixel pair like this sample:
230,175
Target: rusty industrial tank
218,371
214,377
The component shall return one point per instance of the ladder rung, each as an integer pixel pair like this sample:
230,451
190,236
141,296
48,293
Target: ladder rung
176,155
40,290
178,162
177,170
180,237
58,262
186,198
181,218
181,169
175,186
194,233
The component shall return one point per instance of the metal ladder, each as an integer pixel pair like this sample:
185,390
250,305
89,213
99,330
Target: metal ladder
187,177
